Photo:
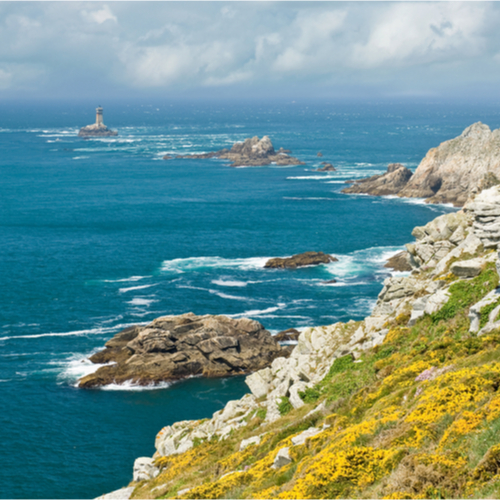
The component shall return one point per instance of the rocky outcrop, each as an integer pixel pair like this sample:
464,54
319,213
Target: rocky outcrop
458,168
175,347
287,335
252,152
390,183
399,262
327,167
300,260
485,209
96,130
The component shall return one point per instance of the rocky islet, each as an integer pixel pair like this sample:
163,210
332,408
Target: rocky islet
252,152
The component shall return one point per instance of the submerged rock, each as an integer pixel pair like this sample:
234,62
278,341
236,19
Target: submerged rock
392,182
175,347
300,260
252,152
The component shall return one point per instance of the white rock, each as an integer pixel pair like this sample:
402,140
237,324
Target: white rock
475,310
145,469
247,442
301,438
121,494
467,268
282,458
259,381
295,399
436,301
183,492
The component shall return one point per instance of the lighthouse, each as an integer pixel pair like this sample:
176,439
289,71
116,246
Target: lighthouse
97,129
98,116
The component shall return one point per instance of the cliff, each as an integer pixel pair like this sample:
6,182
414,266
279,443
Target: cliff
458,168
404,404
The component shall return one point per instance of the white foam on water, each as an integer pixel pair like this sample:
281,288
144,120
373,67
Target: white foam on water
254,312
90,331
230,283
194,263
140,287
77,367
131,386
141,301
310,177
80,157
307,198
132,278
230,297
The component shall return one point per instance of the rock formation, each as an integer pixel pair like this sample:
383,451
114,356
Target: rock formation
252,152
390,183
175,347
97,129
327,167
300,260
399,262
346,380
458,168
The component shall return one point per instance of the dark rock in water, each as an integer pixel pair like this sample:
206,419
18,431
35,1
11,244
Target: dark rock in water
175,347
286,335
252,152
327,167
330,281
320,154
300,260
392,182
399,262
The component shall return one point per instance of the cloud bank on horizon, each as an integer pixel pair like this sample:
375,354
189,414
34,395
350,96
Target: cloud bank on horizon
248,48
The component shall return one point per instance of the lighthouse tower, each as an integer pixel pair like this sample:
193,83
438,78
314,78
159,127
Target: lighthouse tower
98,117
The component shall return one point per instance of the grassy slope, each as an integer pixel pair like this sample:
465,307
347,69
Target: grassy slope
417,417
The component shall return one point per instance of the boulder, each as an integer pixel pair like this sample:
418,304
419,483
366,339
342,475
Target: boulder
390,183
467,268
282,458
301,438
145,469
175,347
399,262
300,260
250,441
287,335
457,168
252,152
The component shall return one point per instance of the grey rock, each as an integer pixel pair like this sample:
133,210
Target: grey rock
282,458
467,268
145,469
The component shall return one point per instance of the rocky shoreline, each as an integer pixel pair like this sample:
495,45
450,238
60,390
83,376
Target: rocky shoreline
252,152
454,172
450,250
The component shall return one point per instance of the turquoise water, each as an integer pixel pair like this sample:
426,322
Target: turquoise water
101,234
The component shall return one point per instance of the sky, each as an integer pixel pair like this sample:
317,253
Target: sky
249,49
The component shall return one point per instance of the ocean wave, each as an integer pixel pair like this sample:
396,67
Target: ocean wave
230,283
255,312
195,263
140,287
80,157
89,331
141,301
311,198
124,280
130,386
310,177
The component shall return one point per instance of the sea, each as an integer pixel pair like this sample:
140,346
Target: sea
100,234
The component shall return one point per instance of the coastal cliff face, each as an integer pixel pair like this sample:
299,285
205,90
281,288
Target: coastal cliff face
405,404
458,168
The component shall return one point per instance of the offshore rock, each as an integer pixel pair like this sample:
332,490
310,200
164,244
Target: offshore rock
300,260
175,347
458,168
252,152
390,183
96,130
327,167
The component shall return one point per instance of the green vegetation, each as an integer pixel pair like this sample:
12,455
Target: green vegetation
485,312
415,417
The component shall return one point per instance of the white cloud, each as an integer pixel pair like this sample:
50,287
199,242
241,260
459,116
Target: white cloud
100,16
